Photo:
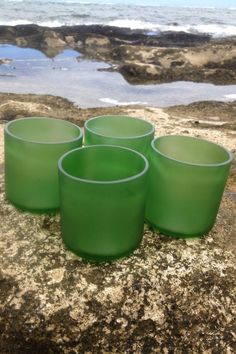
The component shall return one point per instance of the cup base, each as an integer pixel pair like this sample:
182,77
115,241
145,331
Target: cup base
34,211
177,235
99,259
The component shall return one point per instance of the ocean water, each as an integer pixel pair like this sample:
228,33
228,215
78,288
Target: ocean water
148,15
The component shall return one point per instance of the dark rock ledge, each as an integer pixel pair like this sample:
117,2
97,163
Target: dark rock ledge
141,58
170,296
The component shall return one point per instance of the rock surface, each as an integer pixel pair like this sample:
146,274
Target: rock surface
14,106
141,58
170,296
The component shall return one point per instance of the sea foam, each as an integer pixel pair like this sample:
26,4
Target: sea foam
154,19
116,102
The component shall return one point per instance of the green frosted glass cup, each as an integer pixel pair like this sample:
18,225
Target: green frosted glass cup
33,147
134,133
186,181
102,193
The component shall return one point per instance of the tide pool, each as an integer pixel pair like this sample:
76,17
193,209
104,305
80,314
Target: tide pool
85,83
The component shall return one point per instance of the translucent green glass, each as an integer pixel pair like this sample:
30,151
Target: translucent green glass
32,149
102,190
130,132
186,181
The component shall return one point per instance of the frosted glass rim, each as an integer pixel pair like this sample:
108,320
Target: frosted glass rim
7,126
152,131
226,162
118,181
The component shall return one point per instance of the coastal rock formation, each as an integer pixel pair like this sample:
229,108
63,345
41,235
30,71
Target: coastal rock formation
140,57
169,296
14,106
207,63
97,41
53,40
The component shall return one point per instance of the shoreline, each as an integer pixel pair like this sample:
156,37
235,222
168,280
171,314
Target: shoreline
210,118
139,57
94,83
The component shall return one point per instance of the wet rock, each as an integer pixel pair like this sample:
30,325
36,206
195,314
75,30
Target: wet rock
182,39
136,73
26,30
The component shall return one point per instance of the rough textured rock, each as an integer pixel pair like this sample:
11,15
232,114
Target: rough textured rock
21,42
170,296
70,40
14,106
53,40
222,114
97,41
206,63
141,58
